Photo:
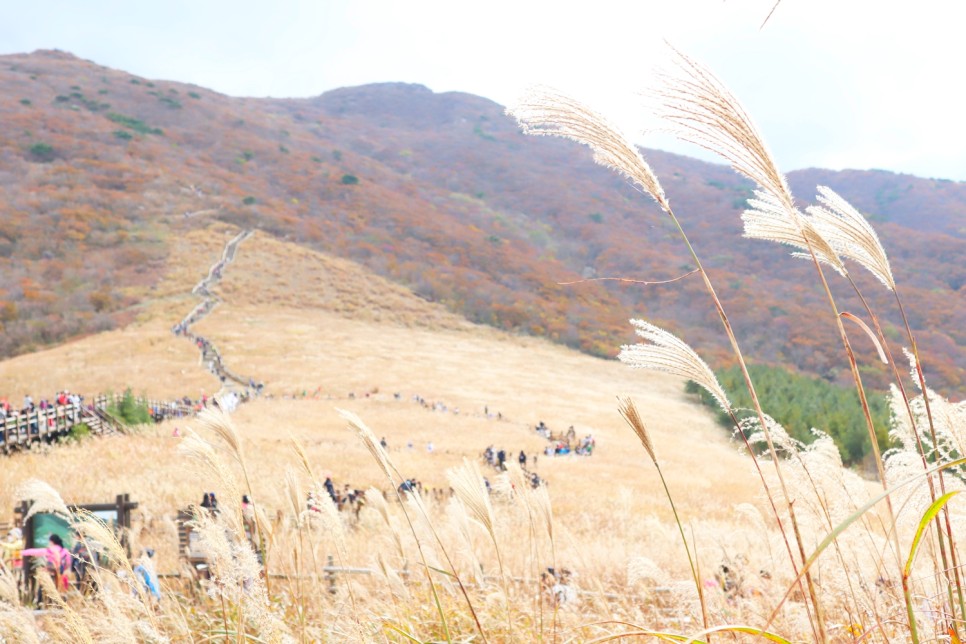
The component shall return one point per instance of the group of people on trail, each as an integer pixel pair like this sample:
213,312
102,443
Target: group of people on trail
211,356
60,399
563,444
61,563
497,458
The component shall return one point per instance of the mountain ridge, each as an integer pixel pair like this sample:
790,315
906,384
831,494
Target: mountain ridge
439,192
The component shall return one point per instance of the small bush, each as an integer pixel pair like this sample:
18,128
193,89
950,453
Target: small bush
124,135
42,152
350,179
25,101
132,123
129,410
195,95
78,432
249,200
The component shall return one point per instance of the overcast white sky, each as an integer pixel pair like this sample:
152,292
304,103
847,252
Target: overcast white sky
831,83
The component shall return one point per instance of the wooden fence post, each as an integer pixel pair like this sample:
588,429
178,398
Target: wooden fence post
330,574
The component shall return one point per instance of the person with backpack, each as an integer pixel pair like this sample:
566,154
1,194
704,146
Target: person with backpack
57,560
83,560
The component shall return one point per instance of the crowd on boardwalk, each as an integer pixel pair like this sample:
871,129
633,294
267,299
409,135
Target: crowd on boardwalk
60,399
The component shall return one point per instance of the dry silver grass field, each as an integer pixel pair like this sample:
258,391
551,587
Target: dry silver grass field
316,329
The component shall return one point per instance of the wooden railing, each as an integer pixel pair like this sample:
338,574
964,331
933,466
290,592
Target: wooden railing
20,429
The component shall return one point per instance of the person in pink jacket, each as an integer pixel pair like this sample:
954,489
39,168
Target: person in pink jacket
57,560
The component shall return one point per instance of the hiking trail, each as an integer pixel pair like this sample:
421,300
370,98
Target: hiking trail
210,356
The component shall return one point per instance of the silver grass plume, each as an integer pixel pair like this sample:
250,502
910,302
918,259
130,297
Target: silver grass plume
99,537
751,428
544,111
667,353
20,626
850,234
544,509
368,439
769,220
629,411
333,524
221,425
376,501
42,498
467,483
295,496
701,110
9,589
913,371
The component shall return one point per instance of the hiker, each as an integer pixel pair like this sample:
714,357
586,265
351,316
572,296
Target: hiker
10,549
210,503
145,572
501,460
523,459
57,560
330,488
248,517
557,584
82,560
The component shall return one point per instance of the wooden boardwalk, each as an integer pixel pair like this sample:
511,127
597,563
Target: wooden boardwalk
19,431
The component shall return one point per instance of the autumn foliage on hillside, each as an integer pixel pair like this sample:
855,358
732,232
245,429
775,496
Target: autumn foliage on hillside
101,171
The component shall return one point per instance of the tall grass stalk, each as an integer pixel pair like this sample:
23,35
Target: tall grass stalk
221,425
633,418
467,483
546,112
369,440
951,573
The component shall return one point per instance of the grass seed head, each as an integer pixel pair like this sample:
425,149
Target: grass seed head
702,111
666,352
42,498
850,234
548,112
629,411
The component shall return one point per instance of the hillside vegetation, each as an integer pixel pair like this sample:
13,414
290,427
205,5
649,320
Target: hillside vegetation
101,173
339,336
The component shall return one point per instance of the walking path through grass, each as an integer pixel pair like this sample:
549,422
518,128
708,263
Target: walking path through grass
210,356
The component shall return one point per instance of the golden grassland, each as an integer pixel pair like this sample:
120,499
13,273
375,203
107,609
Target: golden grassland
316,330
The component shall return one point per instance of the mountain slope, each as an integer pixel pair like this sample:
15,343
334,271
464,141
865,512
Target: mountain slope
102,173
